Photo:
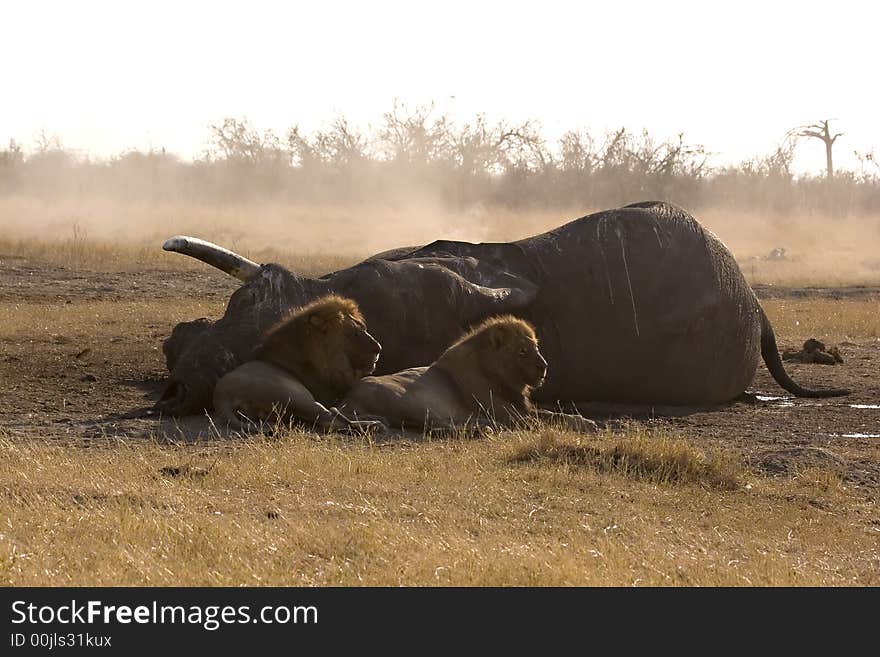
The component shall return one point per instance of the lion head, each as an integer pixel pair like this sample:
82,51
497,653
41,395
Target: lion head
497,362
325,345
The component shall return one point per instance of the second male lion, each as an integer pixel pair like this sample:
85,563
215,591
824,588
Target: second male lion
304,364
484,378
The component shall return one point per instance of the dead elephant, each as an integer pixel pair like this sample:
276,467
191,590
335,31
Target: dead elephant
676,320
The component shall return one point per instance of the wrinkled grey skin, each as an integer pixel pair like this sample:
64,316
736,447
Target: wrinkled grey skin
639,304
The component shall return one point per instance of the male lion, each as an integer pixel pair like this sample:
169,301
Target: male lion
483,379
304,364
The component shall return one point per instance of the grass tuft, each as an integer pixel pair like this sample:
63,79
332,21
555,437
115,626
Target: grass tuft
657,458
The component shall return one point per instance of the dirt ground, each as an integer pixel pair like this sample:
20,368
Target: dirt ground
80,358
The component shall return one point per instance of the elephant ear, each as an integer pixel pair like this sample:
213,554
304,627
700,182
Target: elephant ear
485,279
478,289
509,295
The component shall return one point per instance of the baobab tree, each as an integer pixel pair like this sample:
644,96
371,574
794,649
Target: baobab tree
821,131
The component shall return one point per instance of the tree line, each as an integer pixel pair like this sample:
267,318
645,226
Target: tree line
416,152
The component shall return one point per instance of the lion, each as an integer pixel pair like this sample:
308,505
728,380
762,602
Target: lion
305,363
484,379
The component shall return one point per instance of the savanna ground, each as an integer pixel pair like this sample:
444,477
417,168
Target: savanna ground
776,492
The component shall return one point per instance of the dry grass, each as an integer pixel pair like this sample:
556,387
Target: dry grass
105,235
537,507
518,509
99,321
823,319
820,250
660,459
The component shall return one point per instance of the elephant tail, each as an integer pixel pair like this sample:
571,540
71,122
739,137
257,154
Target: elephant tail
770,353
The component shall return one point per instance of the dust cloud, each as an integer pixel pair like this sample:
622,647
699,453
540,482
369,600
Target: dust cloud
809,250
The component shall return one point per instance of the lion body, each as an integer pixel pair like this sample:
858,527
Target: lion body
259,391
413,398
304,364
486,377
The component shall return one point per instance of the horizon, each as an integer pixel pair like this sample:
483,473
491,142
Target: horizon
106,79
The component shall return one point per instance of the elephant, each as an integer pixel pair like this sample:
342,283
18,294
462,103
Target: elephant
639,305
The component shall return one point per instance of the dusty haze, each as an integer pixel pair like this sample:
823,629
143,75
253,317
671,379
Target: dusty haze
317,201
102,234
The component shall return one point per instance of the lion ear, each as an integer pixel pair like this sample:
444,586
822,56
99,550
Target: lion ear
316,320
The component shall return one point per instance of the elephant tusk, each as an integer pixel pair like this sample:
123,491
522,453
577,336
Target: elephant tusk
211,254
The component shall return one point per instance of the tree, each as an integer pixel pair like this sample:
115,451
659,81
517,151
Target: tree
11,161
869,163
341,146
235,140
414,136
577,152
821,131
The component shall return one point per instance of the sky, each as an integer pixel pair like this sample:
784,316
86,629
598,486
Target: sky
106,77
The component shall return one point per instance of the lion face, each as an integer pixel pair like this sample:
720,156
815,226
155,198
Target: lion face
530,362
517,359
351,352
